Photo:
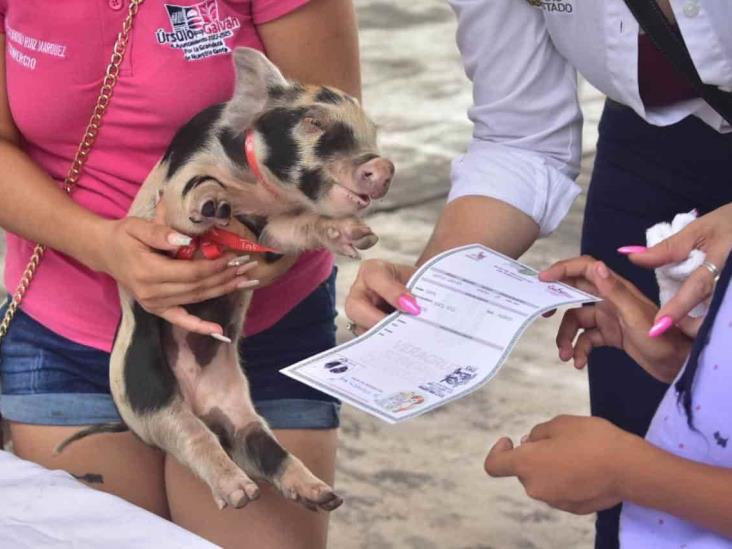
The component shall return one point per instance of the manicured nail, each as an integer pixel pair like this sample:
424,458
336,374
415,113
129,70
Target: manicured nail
625,250
663,324
238,261
220,337
246,268
247,284
408,304
177,239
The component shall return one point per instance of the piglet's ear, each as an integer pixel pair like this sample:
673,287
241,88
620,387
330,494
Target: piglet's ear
255,76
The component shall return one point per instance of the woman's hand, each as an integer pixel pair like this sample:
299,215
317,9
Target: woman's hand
129,249
378,289
711,233
572,463
623,320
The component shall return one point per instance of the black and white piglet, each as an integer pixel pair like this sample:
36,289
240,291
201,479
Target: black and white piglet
313,165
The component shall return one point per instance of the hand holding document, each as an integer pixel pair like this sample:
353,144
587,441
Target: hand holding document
475,304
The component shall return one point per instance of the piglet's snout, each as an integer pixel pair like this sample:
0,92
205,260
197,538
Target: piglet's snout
374,177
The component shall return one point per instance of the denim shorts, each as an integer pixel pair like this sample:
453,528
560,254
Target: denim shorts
46,379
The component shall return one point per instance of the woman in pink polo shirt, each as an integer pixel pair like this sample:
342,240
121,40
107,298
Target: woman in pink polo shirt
54,360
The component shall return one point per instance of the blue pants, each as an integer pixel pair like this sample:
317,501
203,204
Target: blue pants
46,379
643,174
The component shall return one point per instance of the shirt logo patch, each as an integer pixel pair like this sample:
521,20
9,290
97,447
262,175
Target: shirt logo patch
553,6
198,30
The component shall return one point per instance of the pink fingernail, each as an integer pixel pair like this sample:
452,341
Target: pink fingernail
631,250
408,304
663,324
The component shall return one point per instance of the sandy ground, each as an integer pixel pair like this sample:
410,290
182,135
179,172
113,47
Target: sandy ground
421,485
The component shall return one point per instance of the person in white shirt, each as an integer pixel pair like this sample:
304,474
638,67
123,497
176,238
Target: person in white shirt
662,150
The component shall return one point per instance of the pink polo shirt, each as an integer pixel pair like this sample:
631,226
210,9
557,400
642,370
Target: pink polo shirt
178,62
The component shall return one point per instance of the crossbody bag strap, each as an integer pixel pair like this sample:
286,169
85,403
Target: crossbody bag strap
82,154
659,30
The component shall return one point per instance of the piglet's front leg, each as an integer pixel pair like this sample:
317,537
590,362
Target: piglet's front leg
307,231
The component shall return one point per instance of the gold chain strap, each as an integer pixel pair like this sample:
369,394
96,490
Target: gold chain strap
82,154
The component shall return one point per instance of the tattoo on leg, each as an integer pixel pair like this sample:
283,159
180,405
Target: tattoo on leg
90,478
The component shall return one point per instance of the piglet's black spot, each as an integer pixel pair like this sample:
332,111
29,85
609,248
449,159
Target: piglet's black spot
337,139
312,184
289,94
276,92
326,95
276,127
265,452
191,138
233,144
149,381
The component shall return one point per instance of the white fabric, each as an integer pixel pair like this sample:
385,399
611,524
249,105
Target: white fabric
671,277
522,60
40,508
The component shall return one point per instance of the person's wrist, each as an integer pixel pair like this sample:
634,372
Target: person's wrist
94,247
629,464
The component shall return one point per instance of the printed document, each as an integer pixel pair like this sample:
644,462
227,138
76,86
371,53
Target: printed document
475,304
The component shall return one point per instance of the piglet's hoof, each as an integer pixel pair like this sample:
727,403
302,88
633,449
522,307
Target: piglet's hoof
235,491
301,486
346,236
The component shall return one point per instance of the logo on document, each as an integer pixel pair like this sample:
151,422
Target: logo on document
198,30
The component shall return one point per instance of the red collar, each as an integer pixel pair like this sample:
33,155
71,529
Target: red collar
213,243
251,155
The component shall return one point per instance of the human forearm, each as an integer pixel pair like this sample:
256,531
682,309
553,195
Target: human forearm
34,207
484,220
317,44
691,491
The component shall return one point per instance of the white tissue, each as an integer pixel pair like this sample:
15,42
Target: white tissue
671,277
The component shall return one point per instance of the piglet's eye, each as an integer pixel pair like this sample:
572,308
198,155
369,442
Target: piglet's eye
311,124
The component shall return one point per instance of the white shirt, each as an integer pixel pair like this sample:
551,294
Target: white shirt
523,61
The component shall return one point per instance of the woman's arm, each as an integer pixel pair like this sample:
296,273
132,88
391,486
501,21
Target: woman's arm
484,220
689,490
586,464
317,44
34,207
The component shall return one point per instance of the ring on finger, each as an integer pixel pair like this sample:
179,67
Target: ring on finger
712,268
351,327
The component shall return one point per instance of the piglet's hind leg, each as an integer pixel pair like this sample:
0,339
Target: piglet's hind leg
257,451
183,435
